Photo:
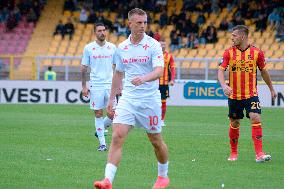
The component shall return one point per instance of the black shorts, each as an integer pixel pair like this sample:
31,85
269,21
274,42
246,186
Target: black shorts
164,90
236,107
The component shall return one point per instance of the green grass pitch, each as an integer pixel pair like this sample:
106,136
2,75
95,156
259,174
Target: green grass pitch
53,147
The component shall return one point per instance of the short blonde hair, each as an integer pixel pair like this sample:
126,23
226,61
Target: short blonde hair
241,28
136,11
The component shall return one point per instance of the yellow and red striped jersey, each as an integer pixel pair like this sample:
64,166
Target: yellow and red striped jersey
169,69
243,66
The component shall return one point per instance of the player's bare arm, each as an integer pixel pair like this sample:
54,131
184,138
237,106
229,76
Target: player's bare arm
227,90
116,84
266,77
85,90
119,90
157,73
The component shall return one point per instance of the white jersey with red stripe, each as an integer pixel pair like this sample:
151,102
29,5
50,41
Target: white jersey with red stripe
138,60
100,60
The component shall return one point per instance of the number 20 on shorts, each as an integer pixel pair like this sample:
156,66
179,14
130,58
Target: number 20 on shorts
255,105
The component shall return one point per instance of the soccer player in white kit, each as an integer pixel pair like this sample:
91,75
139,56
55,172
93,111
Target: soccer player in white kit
140,57
98,55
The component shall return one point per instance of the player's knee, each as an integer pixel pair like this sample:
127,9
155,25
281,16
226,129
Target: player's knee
254,117
117,137
98,113
157,143
110,116
235,123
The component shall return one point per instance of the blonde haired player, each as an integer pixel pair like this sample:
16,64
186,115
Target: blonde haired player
140,57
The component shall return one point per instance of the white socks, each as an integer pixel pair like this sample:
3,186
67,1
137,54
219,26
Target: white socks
99,122
107,122
163,169
110,171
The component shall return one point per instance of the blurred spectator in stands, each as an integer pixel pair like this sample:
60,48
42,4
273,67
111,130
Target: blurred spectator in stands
200,19
279,34
238,21
116,24
160,5
4,13
274,18
59,29
25,6
102,19
157,35
214,6
173,18
194,28
150,32
224,25
11,22
83,16
17,14
202,37
149,19
93,17
211,34
69,5
69,28
122,29
206,6
230,5
192,41
31,16
49,74
36,6
242,10
1,66
163,19
260,23
175,42
182,27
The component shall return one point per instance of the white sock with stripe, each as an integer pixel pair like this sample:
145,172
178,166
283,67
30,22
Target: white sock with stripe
100,129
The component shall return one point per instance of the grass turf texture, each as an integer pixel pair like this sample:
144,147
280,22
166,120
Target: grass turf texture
53,147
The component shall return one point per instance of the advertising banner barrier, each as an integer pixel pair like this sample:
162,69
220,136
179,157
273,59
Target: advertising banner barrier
188,93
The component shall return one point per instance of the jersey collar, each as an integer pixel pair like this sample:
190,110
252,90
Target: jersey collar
142,42
244,49
97,45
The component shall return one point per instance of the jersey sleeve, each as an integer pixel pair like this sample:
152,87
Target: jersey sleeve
260,61
118,61
157,55
114,50
172,68
225,60
86,58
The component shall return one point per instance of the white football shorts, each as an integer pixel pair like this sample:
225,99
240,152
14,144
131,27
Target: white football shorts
140,113
99,98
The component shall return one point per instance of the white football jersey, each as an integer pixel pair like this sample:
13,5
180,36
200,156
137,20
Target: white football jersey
139,60
100,60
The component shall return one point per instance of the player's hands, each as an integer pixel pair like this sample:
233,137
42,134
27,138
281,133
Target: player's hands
119,91
138,80
273,94
227,90
171,83
110,111
85,91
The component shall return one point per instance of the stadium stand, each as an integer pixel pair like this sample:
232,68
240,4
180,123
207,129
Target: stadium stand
202,19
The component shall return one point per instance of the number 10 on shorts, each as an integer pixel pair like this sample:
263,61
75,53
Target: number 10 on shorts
153,120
